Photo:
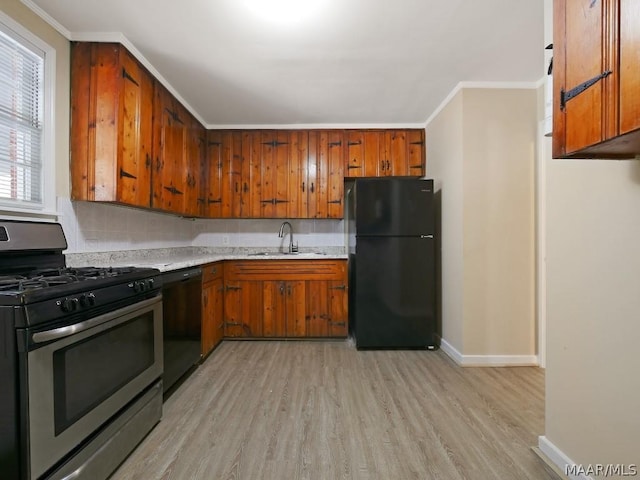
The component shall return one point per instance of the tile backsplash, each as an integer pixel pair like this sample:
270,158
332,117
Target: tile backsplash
97,227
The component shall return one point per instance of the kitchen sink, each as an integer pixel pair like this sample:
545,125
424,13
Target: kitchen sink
272,254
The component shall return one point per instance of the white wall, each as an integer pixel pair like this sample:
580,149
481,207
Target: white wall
481,154
96,227
444,140
593,310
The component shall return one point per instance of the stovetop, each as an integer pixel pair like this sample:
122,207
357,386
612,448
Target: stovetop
53,277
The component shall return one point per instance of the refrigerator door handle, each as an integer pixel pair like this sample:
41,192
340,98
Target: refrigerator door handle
426,236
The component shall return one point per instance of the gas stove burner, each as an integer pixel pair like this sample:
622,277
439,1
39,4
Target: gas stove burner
13,284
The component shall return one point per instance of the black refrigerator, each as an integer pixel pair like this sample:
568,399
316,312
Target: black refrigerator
393,270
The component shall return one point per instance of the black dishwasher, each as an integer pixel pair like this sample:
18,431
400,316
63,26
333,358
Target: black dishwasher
182,319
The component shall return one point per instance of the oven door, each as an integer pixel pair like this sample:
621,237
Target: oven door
81,375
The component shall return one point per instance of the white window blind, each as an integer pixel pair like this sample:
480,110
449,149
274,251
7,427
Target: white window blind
21,122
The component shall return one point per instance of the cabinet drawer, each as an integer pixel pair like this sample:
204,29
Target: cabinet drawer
211,271
285,270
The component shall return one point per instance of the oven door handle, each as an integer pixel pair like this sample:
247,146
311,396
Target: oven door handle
62,332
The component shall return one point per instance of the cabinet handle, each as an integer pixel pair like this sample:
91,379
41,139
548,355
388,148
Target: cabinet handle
282,289
354,166
312,188
147,161
245,187
302,187
217,200
388,165
236,187
382,164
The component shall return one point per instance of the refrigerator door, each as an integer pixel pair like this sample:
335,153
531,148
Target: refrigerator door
395,293
394,206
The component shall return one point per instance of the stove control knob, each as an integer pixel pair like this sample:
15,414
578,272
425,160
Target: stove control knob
149,284
69,305
88,300
138,286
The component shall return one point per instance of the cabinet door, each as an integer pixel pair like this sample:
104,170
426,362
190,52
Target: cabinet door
354,164
251,174
170,133
134,185
325,174
317,308
416,152
208,318
338,308
296,323
327,308
298,174
629,66
194,203
243,306
111,125
212,182
274,168
274,309
579,56
217,310
374,166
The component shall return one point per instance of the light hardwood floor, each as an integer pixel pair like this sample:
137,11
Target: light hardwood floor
322,410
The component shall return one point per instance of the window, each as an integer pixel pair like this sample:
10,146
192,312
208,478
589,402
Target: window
24,108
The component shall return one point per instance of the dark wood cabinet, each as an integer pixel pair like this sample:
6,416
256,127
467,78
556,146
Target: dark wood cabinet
383,153
596,70
134,143
325,179
111,125
286,298
171,135
212,306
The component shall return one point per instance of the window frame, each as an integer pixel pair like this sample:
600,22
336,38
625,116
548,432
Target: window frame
47,208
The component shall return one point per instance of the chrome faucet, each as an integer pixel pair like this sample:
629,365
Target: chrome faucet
292,248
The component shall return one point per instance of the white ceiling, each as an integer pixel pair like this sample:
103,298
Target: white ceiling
351,62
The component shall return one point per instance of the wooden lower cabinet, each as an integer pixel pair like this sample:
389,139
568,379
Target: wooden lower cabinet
212,306
286,298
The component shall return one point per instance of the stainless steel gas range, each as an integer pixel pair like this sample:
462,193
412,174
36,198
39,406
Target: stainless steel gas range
80,358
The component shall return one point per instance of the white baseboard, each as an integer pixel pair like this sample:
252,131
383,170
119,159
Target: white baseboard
558,457
488,360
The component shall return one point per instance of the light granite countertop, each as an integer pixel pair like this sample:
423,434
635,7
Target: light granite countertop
169,259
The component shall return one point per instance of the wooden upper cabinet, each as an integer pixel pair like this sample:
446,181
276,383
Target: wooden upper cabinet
111,125
212,175
596,68
325,174
194,201
382,153
273,178
171,134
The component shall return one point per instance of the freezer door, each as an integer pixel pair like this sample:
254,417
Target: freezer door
395,293
394,206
